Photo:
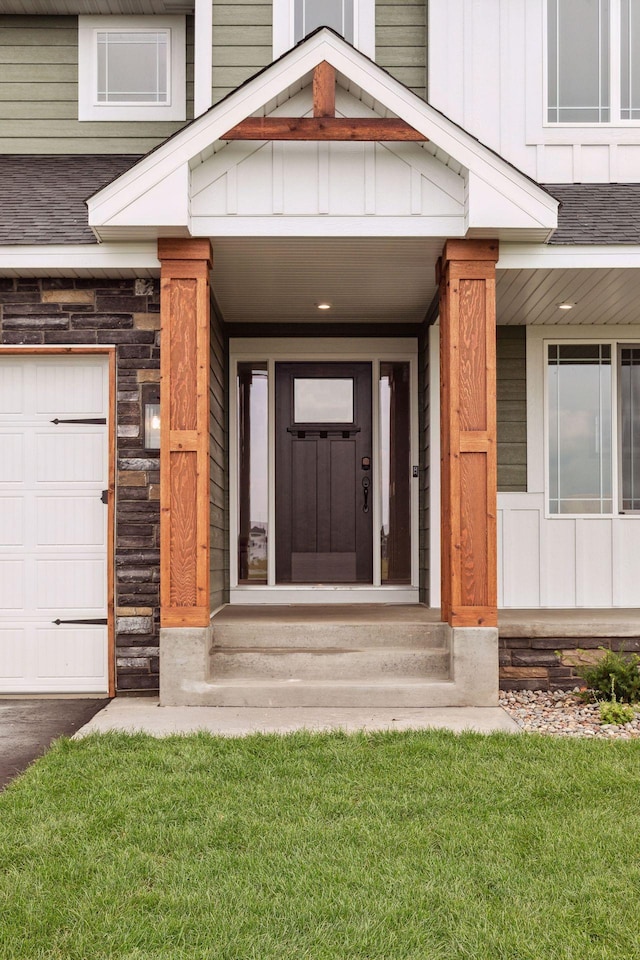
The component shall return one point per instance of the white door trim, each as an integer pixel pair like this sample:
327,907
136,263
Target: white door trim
300,349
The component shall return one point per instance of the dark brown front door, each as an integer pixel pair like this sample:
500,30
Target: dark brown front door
323,473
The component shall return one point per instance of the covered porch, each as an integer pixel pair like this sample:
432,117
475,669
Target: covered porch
390,217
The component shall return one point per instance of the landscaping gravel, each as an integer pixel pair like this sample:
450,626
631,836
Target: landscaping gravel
563,713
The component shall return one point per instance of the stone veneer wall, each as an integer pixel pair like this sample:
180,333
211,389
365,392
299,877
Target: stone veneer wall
61,311
549,663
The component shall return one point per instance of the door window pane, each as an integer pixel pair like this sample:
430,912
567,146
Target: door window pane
578,61
133,66
629,387
253,432
630,60
579,395
311,14
321,400
395,471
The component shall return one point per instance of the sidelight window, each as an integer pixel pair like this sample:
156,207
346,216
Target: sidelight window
395,457
253,476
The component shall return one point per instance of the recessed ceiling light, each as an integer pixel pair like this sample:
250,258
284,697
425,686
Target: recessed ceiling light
565,306
323,306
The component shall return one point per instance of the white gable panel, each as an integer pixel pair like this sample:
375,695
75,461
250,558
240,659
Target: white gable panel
143,191
488,207
335,179
163,204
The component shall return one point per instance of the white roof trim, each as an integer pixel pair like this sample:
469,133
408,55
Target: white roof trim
524,204
531,256
128,259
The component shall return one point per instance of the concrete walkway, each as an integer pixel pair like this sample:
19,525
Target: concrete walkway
133,714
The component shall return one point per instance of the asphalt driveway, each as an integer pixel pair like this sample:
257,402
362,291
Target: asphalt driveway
29,726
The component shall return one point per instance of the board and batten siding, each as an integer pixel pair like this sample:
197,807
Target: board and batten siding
558,561
218,466
486,72
39,94
242,43
511,375
401,41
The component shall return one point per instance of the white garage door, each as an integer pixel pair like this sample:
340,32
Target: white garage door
54,467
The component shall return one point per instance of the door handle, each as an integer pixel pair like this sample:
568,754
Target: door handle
366,483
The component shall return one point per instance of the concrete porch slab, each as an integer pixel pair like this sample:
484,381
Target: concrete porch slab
144,714
359,613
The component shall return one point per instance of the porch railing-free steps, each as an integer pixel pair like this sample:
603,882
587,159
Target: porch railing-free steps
326,660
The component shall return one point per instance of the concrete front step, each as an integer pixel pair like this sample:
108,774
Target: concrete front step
301,634
325,663
399,692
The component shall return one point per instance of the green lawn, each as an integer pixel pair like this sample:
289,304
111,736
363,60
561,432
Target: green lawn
395,846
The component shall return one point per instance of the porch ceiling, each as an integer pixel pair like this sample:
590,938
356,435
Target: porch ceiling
599,296
365,280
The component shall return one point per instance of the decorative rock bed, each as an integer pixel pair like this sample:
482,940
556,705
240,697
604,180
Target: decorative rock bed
564,713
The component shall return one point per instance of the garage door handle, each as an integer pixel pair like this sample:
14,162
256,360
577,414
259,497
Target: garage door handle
89,420
96,623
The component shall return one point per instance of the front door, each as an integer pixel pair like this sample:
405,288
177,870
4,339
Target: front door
323,473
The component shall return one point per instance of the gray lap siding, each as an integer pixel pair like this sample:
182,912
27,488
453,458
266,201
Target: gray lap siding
60,311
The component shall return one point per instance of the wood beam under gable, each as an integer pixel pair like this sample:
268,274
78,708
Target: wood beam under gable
466,276
324,125
324,90
184,427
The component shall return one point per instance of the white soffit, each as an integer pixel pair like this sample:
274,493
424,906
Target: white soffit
597,296
281,280
498,197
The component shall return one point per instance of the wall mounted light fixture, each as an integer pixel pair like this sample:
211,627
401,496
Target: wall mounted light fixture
151,419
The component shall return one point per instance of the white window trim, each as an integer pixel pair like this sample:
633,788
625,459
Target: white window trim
299,350
90,109
364,27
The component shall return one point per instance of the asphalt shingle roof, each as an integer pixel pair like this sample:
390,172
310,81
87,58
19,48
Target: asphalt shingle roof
597,212
42,198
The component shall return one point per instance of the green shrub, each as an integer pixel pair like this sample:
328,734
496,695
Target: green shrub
614,712
614,677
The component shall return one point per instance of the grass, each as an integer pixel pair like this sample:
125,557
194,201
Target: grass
331,847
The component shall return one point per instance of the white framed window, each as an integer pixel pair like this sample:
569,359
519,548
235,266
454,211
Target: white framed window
592,427
593,61
293,20
131,68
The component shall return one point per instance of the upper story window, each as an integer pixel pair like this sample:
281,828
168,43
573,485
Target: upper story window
593,61
131,68
630,61
293,20
311,14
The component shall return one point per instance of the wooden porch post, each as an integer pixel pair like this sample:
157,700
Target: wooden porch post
184,432
466,274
